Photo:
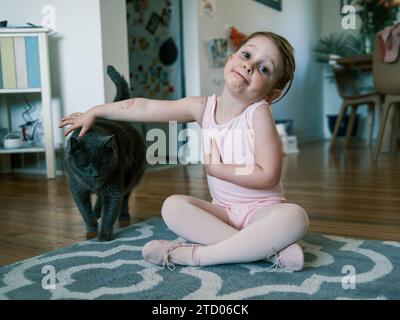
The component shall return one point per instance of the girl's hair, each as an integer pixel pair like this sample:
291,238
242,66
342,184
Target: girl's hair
288,61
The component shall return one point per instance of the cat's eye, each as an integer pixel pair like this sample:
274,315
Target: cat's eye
83,163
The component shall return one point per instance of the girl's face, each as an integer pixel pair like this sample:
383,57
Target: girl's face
253,70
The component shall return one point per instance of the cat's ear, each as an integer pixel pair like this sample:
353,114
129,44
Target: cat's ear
108,141
74,143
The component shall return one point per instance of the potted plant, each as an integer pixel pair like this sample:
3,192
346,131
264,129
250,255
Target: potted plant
336,45
375,16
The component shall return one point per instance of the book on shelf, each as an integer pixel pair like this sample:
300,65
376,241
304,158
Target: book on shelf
1,75
32,58
19,62
8,63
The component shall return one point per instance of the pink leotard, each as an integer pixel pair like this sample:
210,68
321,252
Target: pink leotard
236,145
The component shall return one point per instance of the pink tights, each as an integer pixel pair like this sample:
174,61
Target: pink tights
269,229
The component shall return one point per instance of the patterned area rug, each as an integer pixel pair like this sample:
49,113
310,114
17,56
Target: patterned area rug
336,268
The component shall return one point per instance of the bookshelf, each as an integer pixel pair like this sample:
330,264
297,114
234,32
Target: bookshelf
24,69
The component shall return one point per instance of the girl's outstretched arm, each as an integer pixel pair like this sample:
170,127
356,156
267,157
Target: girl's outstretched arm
266,171
138,110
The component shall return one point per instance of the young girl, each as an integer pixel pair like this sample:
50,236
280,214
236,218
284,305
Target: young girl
249,218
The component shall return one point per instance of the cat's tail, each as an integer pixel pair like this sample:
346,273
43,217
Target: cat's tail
121,84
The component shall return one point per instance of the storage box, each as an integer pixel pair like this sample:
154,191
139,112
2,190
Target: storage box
288,125
289,144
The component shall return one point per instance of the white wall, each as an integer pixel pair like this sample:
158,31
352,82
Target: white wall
114,36
88,35
192,67
191,49
299,22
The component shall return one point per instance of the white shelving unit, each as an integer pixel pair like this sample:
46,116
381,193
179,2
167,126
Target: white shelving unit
45,90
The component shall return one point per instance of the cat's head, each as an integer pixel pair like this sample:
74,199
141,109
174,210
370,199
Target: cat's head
93,155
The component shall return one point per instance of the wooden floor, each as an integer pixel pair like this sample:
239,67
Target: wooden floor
343,192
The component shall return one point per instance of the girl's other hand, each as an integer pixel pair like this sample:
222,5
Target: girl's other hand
78,120
216,155
212,159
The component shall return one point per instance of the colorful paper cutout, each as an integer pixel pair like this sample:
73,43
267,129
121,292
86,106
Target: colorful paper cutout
153,23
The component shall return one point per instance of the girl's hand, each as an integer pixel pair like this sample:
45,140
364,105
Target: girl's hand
213,159
78,120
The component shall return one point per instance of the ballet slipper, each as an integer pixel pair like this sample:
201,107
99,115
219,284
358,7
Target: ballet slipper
291,258
159,252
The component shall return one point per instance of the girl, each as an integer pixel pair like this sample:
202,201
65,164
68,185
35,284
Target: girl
249,218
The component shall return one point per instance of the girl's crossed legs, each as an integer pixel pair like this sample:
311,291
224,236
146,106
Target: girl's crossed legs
269,230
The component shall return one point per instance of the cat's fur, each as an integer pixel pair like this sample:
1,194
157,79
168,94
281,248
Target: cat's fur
108,161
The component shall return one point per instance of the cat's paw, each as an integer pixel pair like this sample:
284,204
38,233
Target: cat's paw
123,224
124,221
91,234
105,237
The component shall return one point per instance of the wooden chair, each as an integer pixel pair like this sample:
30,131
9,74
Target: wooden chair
352,98
387,82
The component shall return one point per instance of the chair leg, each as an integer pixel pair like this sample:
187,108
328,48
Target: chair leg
350,124
386,110
370,122
342,112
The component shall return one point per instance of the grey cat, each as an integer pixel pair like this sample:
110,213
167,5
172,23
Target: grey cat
108,161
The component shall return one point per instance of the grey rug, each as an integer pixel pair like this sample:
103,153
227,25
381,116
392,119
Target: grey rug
336,268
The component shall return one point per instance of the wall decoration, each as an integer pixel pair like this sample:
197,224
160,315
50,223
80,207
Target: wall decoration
138,7
218,51
155,46
236,38
208,8
168,52
143,43
275,4
141,76
153,23
166,16
155,59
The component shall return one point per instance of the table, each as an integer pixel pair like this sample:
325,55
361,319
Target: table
362,63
